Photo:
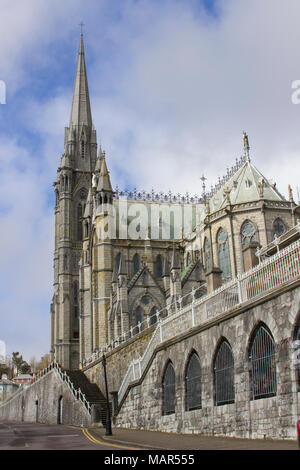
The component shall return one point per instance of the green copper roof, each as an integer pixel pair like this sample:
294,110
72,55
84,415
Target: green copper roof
246,185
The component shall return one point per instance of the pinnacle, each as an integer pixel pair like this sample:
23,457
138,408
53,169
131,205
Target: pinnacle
81,108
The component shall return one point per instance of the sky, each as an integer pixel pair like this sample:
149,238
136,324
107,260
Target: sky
173,85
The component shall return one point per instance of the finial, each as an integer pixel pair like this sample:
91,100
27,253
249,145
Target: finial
261,185
207,206
203,179
227,192
291,199
246,146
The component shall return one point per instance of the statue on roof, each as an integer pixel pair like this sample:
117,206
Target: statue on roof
246,145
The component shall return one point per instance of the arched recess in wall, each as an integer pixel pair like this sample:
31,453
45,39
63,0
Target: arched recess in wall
262,364
168,390
223,369
60,410
193,382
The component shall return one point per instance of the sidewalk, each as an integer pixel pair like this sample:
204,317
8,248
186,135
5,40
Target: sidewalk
154,440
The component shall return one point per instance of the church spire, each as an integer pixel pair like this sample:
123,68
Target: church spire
104,183
81,107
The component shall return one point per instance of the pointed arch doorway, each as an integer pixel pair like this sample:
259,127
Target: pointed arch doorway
60,410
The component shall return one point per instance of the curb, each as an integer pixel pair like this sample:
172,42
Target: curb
126,443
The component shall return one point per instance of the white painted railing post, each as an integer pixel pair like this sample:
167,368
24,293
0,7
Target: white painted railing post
239,288
160,331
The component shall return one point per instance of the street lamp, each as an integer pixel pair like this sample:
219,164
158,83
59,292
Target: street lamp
108,417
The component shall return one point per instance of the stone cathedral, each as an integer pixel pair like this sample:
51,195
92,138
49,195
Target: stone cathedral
122,256
191,302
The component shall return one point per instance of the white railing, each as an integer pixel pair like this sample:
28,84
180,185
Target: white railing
281,268
77,393
165,312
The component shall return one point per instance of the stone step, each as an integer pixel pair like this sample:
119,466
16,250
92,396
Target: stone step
91,391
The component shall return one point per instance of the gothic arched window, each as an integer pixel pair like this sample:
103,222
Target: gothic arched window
159,266
206,249
139,317
224,375
248,233
223,254
136,263
153,316
193,383
278,227
262,364
168,389
117,263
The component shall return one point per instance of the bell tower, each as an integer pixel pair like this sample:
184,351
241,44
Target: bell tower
74,180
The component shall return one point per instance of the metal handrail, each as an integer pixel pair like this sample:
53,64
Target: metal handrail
270,274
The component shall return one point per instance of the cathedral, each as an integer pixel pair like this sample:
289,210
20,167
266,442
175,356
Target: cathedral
184,310
122,259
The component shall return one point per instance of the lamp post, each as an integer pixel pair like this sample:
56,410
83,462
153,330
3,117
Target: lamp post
108,417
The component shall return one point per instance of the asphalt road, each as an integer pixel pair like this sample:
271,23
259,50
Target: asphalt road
25,436
32,436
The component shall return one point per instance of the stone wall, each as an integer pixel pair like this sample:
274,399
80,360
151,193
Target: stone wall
273,417
118,361
47,401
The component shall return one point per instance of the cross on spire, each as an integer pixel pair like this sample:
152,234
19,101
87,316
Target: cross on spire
81,26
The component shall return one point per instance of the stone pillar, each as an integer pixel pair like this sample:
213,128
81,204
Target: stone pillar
213,279
249,257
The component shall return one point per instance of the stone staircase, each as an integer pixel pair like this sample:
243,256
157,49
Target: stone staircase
91,391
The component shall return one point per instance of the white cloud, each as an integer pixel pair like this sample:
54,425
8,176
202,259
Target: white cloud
192,87
172,90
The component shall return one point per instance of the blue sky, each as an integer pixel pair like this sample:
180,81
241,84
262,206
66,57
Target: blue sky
173,84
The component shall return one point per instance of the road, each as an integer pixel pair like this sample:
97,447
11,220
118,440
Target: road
32,436
26,436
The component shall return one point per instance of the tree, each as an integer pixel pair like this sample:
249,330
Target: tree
33,364
17,361
44,362
19,364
